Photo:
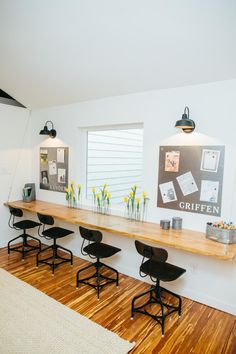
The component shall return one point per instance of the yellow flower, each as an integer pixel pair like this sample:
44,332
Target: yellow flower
71,190
137,200
105,186
126,199
144,195
72,183
97,196
79,185
67,190
93,190
131,194
108,196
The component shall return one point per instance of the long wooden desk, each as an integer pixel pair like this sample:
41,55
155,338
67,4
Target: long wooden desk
186,240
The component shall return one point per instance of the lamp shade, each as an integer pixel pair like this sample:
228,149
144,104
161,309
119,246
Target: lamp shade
44,131
186,124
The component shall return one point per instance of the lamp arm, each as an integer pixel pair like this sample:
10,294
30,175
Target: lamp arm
49,121
186,111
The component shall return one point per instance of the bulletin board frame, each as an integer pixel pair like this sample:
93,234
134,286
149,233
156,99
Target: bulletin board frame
190,178
54,168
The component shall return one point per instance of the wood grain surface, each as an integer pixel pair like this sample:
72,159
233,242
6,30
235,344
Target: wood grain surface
201,330
186,240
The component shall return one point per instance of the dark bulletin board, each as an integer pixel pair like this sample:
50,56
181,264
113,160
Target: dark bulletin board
190,178
54,168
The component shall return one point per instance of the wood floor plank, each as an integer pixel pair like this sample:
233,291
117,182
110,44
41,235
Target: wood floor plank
230,345
201,330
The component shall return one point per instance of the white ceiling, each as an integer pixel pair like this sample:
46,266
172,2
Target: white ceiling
55,52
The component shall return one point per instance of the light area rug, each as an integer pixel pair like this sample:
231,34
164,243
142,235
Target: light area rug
33,323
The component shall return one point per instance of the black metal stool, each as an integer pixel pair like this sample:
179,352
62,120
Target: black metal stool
96,250
158,270
23,225
53,233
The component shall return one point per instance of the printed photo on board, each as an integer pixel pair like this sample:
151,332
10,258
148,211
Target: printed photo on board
172,161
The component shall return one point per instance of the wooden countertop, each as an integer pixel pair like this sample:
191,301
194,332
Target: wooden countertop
186,240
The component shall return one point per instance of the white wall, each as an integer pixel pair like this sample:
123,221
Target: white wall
212,107
15,160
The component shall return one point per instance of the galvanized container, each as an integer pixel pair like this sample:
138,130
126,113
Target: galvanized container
220,235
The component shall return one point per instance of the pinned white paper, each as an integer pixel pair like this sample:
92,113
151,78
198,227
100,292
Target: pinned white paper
61,155
209,191
52,167
210,160
43,151
187,183
168,192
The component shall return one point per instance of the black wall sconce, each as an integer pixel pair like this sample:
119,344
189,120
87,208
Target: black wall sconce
186,124
45,131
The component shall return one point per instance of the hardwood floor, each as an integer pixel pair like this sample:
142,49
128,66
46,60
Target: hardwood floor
201,330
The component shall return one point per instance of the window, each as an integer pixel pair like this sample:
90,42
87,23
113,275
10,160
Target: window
115,157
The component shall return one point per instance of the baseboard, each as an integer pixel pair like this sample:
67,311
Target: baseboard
3,243
206,300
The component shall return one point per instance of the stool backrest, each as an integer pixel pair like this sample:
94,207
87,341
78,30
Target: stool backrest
154,253
45,219
13,213
16,212
90,235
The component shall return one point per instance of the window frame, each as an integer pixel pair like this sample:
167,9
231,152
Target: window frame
86,130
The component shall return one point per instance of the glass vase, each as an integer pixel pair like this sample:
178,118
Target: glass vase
144,212
131,214
138,215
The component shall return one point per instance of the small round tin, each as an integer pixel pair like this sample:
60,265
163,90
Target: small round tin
177,223
165,224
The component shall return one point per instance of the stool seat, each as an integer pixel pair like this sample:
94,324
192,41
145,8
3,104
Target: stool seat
162,270
26,224
56,232
101,250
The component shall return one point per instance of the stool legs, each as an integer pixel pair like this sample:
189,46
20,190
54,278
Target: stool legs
97,276
135,309
25,247
155,297
55,256
8,245
178,297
